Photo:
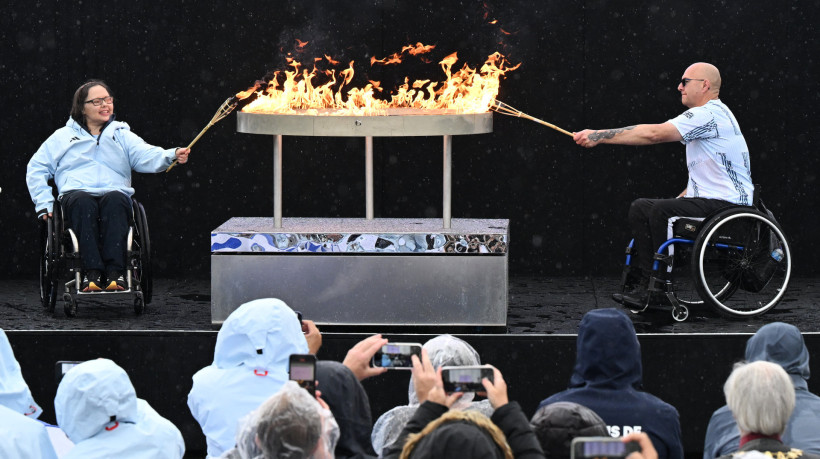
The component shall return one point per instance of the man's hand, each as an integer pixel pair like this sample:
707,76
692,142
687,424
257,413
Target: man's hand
182,155
647,449
582,138
359,356
496,390
312,335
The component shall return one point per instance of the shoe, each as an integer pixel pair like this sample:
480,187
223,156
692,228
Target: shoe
91,282
638,297
618,297
116,282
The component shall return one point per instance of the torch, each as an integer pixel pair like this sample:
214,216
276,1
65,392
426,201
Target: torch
224,110
505,109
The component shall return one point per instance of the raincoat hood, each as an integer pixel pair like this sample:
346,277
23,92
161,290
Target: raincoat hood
260,334
14,392
609,355
348,402
93,395
781,344
447,350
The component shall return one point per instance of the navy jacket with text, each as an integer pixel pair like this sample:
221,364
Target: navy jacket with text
607,379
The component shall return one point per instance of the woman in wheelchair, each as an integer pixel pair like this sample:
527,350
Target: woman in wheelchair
90,160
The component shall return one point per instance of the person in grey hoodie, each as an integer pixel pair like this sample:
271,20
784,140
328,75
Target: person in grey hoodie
781,344
90,160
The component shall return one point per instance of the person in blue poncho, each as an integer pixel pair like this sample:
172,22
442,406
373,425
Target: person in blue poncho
97,407
22,435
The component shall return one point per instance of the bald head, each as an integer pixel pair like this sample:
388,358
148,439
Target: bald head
708,72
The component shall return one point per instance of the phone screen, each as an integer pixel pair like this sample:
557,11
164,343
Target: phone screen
63,366
396,355
602,447
303,371
465,379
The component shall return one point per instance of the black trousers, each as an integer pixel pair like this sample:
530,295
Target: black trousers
101,225
649,221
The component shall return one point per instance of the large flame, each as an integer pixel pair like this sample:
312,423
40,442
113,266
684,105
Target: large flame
298,91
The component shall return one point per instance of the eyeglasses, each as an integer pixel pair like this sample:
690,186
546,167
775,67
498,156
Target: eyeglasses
683,81
99,101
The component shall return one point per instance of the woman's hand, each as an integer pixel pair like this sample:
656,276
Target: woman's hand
182,155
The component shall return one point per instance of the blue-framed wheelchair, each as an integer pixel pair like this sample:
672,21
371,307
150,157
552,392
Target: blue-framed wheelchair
61,266
736,261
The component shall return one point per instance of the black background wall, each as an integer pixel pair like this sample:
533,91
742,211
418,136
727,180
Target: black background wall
598,64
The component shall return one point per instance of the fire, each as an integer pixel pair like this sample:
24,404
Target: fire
298,90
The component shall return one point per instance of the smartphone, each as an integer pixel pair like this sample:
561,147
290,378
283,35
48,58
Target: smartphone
302,369
397,355
465,379
601,447
62,366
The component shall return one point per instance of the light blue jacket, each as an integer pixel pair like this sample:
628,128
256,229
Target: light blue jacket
781,344
22,435
77,160
14,392
250,364
97,407
23,438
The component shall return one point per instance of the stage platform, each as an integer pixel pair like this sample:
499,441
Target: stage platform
685,363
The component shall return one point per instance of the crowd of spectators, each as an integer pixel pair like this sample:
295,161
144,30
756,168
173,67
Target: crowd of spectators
247,407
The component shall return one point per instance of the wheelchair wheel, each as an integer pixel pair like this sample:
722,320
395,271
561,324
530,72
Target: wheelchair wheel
142,270
139,305
742,263
70,306
49,251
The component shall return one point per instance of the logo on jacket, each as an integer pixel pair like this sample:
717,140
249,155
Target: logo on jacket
73,139
620,431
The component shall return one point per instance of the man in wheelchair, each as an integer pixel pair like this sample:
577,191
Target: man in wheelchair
717,158
90,160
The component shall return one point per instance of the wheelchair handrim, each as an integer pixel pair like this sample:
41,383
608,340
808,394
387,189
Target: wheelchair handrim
787,252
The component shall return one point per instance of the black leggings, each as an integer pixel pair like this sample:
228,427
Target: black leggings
649,221
101,226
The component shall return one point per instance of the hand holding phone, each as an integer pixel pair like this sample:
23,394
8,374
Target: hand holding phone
302,369
602,447
396,355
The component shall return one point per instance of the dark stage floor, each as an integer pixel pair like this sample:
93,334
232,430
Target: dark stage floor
537,305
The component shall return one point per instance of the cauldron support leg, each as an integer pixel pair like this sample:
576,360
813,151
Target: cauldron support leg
277,181
448,160
368,176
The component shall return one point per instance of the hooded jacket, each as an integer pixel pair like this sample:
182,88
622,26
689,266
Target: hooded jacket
77,160
97,407
348,402
250,364
781,344
608,379
23,436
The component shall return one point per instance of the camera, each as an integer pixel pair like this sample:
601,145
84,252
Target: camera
302,369
601,447
62,366
396,355
465,379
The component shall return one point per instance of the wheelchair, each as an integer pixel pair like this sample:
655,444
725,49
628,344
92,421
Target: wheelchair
60,260
736,261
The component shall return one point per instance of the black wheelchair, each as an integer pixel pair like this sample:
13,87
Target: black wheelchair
60,260
736,261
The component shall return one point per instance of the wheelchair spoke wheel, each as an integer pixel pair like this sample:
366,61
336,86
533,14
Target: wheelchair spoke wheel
48,259
142,270
742,263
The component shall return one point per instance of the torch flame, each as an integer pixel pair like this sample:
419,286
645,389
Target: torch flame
295,91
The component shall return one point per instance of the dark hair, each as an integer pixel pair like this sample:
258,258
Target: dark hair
78,102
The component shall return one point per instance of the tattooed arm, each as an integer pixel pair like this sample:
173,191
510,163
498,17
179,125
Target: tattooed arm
641,134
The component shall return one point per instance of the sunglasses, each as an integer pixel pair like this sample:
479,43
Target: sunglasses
683,81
